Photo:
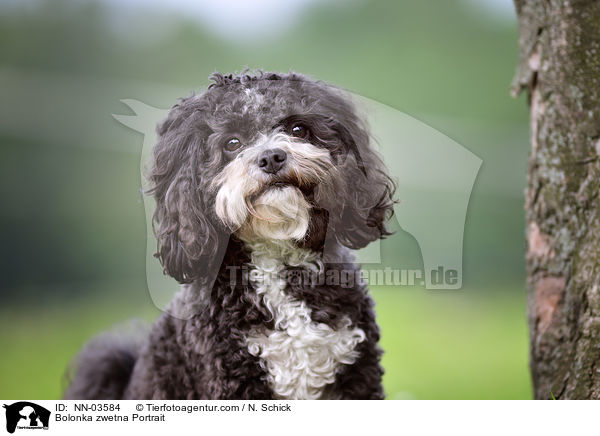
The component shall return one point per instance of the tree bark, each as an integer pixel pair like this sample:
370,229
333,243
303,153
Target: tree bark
560,70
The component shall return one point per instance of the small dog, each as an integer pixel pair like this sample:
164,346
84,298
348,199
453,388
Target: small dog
263,184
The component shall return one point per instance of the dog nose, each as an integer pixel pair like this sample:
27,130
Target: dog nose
271,161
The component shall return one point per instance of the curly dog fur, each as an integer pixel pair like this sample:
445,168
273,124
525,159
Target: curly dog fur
263,184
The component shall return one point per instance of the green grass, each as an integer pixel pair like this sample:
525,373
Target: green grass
38,342
438,345
454,344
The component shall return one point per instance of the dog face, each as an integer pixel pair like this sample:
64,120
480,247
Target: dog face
264,157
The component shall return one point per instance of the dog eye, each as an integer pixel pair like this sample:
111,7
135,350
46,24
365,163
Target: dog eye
300,131
233,144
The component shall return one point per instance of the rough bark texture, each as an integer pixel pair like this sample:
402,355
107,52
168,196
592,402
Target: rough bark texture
560,69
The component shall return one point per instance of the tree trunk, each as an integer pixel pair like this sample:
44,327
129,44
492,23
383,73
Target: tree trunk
560,69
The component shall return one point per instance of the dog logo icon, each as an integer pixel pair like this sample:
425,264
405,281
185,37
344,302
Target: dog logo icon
26,415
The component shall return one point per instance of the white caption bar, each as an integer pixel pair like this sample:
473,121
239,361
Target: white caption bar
327,417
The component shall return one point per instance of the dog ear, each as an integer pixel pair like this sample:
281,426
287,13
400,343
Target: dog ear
369,201
188,240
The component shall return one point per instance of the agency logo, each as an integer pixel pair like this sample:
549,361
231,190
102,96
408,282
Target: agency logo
26,415
435,177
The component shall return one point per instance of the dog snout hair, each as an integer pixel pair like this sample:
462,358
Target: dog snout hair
242,184
272,160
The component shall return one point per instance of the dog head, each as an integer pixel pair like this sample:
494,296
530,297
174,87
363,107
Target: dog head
264,157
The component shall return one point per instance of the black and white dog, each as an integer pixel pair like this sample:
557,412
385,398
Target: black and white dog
263,184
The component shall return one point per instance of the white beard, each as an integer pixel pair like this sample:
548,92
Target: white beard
254,210
280,213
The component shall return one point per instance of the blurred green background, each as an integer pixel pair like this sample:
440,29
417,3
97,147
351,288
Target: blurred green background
72,219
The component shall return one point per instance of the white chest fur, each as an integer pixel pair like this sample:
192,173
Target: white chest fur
300,356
